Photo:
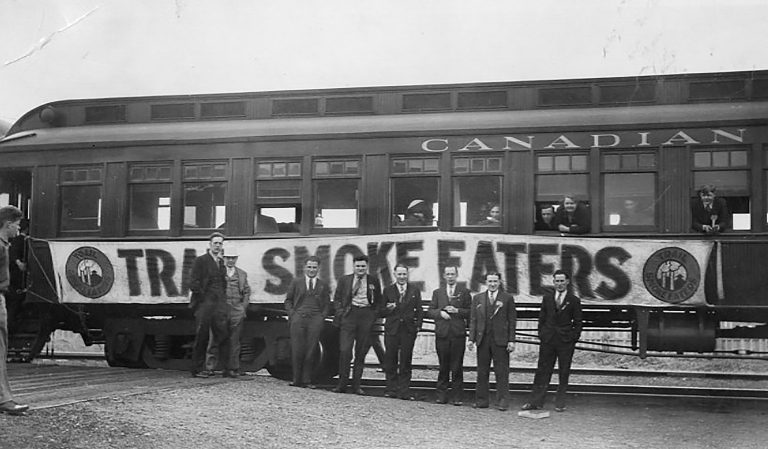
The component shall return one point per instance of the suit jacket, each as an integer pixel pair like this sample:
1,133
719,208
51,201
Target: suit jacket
457,325
407,314
504,318
297,291
342,298
560,325
204,272
578,223
700,216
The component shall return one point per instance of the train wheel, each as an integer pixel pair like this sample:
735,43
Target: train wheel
111,353
327,355
281,366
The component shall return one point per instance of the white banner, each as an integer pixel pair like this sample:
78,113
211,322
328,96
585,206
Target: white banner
603,270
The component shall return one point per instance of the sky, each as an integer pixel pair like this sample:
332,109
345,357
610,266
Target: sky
65,49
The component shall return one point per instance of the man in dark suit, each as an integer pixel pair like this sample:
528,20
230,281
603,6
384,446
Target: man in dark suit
559,330
209,303
709,214
492,322
308,302
357,303
403,314
449,308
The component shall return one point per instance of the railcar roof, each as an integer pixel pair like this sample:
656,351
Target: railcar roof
633,117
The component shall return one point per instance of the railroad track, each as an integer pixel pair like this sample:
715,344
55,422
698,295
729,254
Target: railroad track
422,388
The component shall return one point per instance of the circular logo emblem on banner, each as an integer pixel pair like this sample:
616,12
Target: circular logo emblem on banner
672,275
90,272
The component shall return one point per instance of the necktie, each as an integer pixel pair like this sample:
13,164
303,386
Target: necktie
402,294
312,284
491,297
356,289
450,290
559,299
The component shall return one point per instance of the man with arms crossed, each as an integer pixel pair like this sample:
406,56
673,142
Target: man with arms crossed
492,322
357,302
10,221
559,330
308,302
403,320
450,309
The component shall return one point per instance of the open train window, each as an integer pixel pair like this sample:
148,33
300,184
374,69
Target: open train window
337,194
278,197
149,197
81,197
477,192
557,175
205,192
727,170
415,192
628,190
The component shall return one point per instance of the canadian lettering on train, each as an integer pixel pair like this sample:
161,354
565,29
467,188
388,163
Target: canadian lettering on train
576,141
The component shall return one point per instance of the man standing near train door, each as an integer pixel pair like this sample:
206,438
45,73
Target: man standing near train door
308,302
357,303
559,330
10,221
449,308
492,323
209,303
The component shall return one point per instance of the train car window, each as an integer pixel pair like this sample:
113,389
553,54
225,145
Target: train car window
278,202
205,191
627,93
565,96
759,88
81,197
336,201
629,191
427,102
477,192
149,197
717,90
556,175
415,192
295,106
728,171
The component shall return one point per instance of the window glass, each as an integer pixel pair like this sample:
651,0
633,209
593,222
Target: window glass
278,206
150,207
414,201
551,188
727,181
81,208
204,205
336,203
629,199
477,201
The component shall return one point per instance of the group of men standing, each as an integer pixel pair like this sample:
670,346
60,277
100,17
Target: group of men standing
359,300
220,294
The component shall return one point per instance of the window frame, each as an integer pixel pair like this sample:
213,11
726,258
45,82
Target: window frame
256,205
412,175
470,173
171,191
63,183
654,171
331,176
225,178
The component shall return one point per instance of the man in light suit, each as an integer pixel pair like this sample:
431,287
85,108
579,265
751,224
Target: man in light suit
238,294
308,302
559,330
357,302
449,308
403,314
492,322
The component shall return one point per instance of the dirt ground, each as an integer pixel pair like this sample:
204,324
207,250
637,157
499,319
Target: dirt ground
266,413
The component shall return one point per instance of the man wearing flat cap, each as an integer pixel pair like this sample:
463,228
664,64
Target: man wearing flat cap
238,294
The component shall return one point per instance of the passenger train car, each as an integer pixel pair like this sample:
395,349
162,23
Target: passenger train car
122,193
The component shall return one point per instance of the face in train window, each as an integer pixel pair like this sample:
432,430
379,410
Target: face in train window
629,199
477,201
729,172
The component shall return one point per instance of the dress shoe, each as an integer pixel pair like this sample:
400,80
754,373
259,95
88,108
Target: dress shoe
476,405
502,407
408,397
389,394
202,374
359,391
441,401
296,384
12,408
560,409
339,389
529,406
457,403
310,386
